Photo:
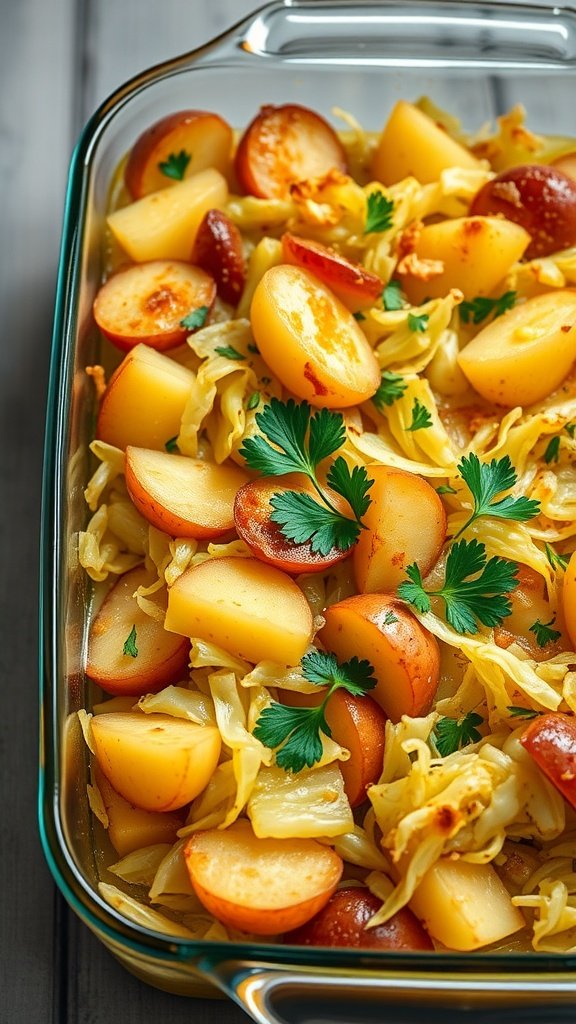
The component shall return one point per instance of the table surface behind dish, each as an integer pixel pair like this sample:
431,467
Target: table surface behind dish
58,59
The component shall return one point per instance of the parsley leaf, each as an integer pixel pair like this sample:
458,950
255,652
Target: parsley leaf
543,633
176,164
379,211
392,386
171,445
556,560
474,589
195,319
418,323
130,649
294,441
392,296
389,619
518,712
421,418
552,450
358,315
451,734
446,489
229,352
254,400
297,731
487,479
570,429
479,308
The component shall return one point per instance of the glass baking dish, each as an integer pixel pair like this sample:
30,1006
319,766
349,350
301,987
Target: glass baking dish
475,59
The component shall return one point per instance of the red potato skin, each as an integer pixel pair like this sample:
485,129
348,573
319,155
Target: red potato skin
540,199
273,152
551,742
355,286
343,921
218,250
252,512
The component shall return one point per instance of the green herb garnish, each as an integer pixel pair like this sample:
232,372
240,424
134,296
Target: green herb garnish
229,352
451,734
195,319
176,164
392,296
487,479
421,418
479,308
446,489
130,648
418,323
543,633
379,211
171,445
296,442
254,400
552,450
474,591
556,560
517,712
392,386
298,731
359,315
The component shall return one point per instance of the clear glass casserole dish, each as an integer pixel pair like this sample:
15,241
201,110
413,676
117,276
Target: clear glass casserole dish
476,60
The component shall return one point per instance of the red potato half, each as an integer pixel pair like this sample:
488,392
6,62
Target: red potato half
147,303
283,145
156,762
342,922
551,742
405,656
355,286
311,341
541,199
162,657
204,137
406,523
182,496
252,510
264,886
357,723
218,249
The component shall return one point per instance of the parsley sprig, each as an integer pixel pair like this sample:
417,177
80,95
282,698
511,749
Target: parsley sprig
392,296
296,442
474,592
421,418
480,308
195,319
544,633
297,731
392,386
176,164
379,212
556,560
451,734
130,649
485,481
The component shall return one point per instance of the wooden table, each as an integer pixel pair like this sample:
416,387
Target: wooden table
58,60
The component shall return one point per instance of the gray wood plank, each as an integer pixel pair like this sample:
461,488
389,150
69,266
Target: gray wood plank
36,59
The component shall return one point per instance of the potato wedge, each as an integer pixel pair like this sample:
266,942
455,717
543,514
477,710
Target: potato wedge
406,523
161,657
163,225
156,762
130,828
144,401
404,655
182,496
311,341
525,354
413,145
343,921
474,252
250,609
265,886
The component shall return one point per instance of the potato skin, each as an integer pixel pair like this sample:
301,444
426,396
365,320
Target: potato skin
551,742
343,921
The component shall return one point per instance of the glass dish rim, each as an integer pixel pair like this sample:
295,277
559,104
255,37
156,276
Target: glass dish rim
86,902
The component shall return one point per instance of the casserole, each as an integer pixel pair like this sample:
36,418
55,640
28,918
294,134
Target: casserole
477,60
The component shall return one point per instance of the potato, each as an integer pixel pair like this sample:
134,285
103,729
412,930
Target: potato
406,523
477,252
530,604
524,355
551,742
161,659
465,906
359,725
404,655
342,922
182,496
163,225
265,886
250,609
156,762
311,341
413,145
144,401
130,828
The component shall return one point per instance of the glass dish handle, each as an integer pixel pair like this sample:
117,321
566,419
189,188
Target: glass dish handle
274,995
